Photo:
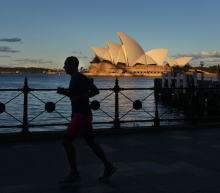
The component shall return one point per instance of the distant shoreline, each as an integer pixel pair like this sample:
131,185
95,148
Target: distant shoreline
120,75
30,70
108,75
30,73
208,75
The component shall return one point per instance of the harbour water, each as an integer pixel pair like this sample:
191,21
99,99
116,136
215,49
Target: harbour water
37,100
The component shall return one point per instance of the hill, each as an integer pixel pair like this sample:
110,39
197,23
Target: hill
23,70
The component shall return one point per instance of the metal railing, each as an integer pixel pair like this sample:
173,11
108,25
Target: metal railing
155,117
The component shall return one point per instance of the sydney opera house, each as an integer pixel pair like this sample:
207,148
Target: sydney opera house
129,59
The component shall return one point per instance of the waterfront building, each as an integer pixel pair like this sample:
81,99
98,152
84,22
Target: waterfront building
129,59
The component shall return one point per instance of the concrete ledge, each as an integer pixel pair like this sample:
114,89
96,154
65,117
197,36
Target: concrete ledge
54,135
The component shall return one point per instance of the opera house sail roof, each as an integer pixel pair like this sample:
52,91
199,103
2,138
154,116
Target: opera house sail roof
159,55
178,61
116,52
133,51
130,53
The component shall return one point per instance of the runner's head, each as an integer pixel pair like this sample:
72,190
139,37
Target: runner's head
71,64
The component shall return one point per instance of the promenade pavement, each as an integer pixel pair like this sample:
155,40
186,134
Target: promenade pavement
179,161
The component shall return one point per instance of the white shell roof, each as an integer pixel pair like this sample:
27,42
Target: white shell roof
116,52
158,55
131,53
132,49
149,60
141,59
179,61
183,60
102,53
171,61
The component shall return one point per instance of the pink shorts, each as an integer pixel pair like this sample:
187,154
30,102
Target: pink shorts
80,125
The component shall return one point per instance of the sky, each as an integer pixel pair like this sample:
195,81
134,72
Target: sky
43,33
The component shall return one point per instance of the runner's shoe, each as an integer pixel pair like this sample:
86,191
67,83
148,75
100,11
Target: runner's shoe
70,180
108,172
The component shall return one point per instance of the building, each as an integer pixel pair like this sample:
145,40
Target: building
129,59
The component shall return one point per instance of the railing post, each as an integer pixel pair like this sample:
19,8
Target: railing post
194,106
218,71
116,90
156,118
25,107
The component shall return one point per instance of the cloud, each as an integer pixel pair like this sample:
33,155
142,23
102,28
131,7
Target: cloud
195,56
201,55
4,56
80,55
85,57
7,49
77,52
10,40
211,54
33,61
213,59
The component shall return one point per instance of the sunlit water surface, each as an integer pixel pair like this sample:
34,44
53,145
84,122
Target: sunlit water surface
37,100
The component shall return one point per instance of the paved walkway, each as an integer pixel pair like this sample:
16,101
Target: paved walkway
150,162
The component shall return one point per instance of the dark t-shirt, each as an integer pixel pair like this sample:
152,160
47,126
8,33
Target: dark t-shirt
79,85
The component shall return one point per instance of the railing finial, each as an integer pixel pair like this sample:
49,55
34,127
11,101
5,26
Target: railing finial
116,90
25,107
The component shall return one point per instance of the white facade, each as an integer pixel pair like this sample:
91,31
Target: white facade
159,55
183,61
116,52
132,49
178,61
102,53
131,53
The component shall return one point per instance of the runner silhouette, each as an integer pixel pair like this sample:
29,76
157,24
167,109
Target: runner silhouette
80,90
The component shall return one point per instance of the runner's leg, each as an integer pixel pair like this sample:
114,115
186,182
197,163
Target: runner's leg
98,151
70,152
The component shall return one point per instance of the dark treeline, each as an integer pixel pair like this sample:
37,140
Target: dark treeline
26,70
211,69
33,70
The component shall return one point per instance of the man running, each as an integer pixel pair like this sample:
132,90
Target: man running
80,90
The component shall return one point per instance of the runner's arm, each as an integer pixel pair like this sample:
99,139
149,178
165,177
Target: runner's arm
93,90
63,91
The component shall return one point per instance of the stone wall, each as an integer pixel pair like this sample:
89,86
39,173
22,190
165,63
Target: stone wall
108,69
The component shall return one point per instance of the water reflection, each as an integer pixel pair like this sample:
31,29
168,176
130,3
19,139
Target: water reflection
36,106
